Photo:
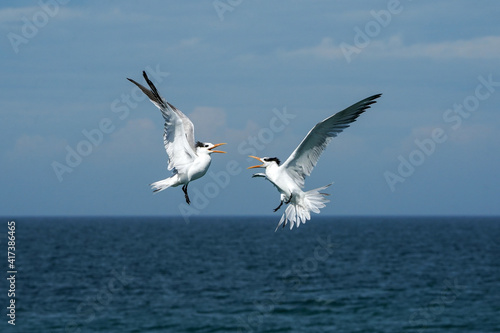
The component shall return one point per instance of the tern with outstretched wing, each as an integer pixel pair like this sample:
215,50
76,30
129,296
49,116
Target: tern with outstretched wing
289,177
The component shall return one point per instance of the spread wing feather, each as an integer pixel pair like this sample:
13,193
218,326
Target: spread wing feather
178,134
304,158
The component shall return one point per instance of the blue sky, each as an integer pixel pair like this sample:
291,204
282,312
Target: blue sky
257,75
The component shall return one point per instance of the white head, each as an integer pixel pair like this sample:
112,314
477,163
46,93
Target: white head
208,148
266,162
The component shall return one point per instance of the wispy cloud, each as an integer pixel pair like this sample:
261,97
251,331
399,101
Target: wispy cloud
183,44
35,147
210,123
487,47
477,134
15,15
326,49
135,137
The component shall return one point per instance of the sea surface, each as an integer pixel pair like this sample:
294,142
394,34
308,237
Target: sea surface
334,274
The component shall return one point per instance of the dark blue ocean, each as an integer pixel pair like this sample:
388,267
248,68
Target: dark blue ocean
238,275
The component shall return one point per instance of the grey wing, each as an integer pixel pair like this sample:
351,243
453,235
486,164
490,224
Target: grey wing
188,126
304,158
180,151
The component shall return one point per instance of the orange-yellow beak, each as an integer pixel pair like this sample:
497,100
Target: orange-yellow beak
217,151
258,159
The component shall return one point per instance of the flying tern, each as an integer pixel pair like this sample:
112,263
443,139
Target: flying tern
289,177
188,159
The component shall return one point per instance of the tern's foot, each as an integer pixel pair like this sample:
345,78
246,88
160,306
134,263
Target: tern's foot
289,199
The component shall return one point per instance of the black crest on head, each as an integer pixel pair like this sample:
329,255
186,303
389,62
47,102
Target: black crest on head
199,144
275,159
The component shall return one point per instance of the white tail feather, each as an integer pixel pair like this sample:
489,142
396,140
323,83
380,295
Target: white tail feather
163,184
298,211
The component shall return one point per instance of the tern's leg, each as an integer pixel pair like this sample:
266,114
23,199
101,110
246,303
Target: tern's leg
281,204
185,190
282,200
287,202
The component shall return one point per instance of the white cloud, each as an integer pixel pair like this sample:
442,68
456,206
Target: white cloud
208,121
16,15
189,42
184,44
326,49
478,48
35,146
210,124
487,47
474,133
135,137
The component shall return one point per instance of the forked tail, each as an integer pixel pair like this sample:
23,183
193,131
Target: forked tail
299,211
163,184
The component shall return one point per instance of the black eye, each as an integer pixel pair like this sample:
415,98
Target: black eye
265,159
206,146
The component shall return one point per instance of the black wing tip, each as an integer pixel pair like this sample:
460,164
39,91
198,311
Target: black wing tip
373,98
370,100
151,85
148,81
154,91
143,74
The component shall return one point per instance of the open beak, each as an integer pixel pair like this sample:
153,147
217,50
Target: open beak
256,166
217,151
